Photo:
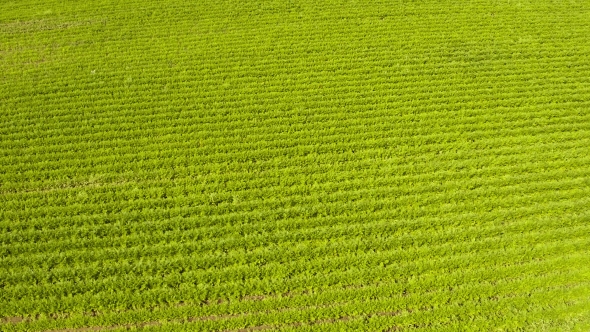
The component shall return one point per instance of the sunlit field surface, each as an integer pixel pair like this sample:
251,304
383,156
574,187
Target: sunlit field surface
289,165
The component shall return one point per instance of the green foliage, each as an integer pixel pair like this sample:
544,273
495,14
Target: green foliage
294,165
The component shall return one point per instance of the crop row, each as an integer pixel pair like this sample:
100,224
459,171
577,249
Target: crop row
390,299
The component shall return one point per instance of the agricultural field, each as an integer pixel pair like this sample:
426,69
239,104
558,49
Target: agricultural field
295,165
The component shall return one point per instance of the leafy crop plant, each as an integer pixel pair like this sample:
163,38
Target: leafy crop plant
294,165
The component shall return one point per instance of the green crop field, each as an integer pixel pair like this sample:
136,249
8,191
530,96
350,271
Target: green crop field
289,165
